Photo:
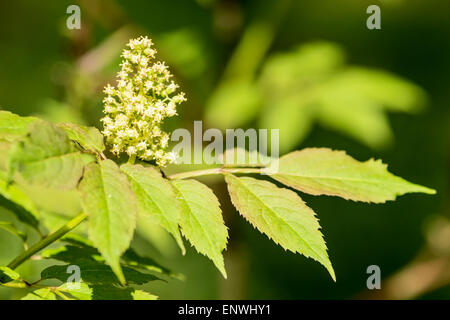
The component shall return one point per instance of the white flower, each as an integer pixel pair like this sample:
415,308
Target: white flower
131,150
142,100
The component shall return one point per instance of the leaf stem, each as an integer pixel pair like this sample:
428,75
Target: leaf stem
16,285
47,241
132,159
205,172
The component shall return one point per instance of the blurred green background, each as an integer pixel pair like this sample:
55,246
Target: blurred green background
280,64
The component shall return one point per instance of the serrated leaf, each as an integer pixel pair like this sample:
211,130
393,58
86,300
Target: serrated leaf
12,126
11,228
8,275
142,295
110,204
46,157
97,273
41,294
201,220
89,138
156,199
320,171
281,215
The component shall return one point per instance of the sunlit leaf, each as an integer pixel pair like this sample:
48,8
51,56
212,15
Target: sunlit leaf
201,220
88,137
281,215
111,206
8,275
323,171
12,126
41,294
46,157
156,199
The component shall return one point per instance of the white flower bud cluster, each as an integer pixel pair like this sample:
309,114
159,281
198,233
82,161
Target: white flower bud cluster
136,107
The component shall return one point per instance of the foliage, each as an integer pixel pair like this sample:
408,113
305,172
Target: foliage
113,195
310,84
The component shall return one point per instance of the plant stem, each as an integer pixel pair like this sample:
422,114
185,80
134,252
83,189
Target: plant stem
132,159
47,241
205,172
15,285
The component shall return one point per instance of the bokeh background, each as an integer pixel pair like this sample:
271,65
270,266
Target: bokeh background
250,64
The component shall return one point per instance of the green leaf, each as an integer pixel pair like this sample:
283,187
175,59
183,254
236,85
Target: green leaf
344,110
293,117
85,252
281,215
298,69
11,228
88,137
8,275
233,104
72,254
46,157
201,220
12,126
142,295
80,290
156,199
93,272
16,201
384,88
41,294
5,146
320,171
132,258
108,200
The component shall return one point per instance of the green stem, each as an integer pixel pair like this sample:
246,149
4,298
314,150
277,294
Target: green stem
190,174
132,159
47,241
15,285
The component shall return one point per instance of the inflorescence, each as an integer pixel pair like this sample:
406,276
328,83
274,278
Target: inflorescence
136,107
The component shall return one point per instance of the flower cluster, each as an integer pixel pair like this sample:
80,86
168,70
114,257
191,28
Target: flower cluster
145,94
